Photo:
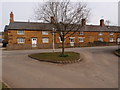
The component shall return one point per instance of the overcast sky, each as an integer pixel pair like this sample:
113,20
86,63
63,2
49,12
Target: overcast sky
25,10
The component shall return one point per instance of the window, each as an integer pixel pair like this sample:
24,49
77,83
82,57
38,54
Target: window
72,39
100,39
81,39
60,39
100,33
111,33
61,33
111,39
45,40
44,32
81,33
118,40
21,40
20,32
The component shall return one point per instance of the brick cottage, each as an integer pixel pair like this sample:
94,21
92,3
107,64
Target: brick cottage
29,35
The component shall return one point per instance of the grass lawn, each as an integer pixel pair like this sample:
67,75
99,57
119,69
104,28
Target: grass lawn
3,86
56,56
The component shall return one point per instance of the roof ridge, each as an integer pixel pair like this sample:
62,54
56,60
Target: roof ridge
30,22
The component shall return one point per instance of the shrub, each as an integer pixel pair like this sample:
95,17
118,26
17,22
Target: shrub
63,55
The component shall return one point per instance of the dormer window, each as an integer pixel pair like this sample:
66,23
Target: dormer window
100,33
111,33
20,32
81,33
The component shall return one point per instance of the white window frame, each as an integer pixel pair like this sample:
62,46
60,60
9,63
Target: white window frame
111,33
61,40
20,32
61,33
118,40
81,33
43,40
45,33
99,39
111,39
20,41
82,39
100,33
72,38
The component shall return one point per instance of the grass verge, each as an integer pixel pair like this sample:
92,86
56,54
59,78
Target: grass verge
4,86
56,56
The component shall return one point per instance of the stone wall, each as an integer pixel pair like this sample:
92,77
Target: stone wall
50,46
28,46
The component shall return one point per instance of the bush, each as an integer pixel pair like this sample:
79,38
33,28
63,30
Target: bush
100,42
97,43
63,55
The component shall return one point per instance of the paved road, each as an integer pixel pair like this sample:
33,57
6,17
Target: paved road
98,69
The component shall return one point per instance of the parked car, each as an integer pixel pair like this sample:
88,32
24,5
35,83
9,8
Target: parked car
4,43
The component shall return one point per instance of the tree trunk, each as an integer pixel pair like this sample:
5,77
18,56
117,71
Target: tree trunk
63,47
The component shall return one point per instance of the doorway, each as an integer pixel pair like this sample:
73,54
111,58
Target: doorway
34,42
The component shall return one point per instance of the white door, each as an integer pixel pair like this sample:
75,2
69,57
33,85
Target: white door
34,42
118,40
72,41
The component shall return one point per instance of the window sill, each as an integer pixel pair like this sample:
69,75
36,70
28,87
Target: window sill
20,34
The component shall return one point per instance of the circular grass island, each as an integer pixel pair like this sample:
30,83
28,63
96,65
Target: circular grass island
117,52
57,57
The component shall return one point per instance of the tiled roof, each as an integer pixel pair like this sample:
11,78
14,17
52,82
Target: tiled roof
6,27
99,28
48,26
30,26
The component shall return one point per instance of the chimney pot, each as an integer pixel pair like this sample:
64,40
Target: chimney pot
83,22
52,19
11,17
102,22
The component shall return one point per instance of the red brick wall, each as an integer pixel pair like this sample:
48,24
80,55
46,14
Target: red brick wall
11,36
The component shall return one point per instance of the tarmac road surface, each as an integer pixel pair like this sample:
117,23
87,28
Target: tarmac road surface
98,69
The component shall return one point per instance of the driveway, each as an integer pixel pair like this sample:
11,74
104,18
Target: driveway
98,69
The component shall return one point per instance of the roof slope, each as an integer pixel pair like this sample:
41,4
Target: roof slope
6,27
48,26
30,26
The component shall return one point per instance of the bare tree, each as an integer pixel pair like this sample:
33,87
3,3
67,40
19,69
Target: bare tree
66,17
107,22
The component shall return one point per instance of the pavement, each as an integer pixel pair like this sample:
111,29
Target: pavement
98,69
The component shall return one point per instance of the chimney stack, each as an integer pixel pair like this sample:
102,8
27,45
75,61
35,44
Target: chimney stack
11,17
102,22
83,22
52,20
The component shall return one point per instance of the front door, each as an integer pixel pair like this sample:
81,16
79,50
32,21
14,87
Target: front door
72,41
118,40
34,42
